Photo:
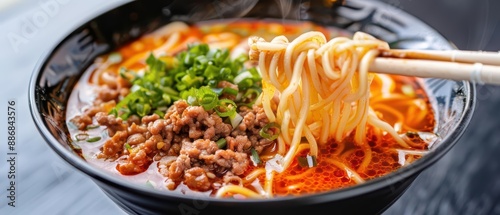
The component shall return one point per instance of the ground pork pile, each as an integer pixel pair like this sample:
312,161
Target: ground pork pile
183,142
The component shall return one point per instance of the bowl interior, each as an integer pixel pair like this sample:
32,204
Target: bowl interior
60,69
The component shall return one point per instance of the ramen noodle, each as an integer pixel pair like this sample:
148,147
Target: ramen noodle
248,109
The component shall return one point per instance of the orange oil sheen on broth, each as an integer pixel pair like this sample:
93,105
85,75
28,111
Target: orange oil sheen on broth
326,176
405,103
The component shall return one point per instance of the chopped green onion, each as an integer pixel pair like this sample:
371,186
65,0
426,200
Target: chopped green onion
270,131
93,139
307,161
143,109
191,81
189,75
225,90
155,65
230,91
128,147
125,113
128,75
226,108
207,98
201,60
178,77
217,91
243,80
249,98
134,88
170,91
251,94
221,143
192,100
255,157
204,97
160,113
235,120
247,78
81,136
89,127
166,98
211,72
170,62
167,81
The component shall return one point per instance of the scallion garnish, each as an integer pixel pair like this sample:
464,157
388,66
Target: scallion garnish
235,120
128,75
247,79
207,98
307,161
93,139
226,108
230,91
81,136
113,112
128,147
255,157
249,97
270,131
204,97
192,75
160,113
226,90
89,127
221,143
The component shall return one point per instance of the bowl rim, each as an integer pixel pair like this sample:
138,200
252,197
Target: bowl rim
334,195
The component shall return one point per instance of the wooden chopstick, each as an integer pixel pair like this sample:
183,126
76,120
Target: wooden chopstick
490,58
476,72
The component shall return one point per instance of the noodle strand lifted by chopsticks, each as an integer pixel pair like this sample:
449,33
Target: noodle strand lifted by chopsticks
326,83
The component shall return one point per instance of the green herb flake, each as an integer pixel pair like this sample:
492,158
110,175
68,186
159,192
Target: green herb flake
255,157
81,136
90,127
192,75
93,139
128,147
270,131
226,108
221,143
307,161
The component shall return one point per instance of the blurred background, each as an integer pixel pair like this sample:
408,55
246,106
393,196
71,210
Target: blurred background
465,181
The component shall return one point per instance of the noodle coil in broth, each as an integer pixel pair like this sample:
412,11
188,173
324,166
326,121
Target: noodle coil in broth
214,108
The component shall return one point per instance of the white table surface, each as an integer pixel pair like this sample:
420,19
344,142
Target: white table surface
45,183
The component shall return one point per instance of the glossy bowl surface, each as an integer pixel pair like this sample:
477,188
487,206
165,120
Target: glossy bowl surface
59,70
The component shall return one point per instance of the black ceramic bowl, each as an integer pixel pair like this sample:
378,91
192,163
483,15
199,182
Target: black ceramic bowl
58,71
